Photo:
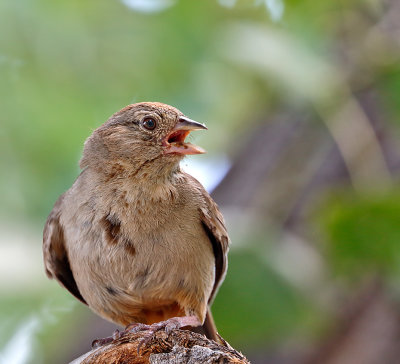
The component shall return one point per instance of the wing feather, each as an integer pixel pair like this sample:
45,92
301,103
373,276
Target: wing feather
54,252
214,226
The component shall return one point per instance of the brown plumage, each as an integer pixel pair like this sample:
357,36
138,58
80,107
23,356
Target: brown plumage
135,238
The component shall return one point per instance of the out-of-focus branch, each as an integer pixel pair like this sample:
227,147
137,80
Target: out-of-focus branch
177,346
262,49
367,331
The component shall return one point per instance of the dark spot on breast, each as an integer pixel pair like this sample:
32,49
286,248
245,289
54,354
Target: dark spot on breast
130,248
111,291
113,235
181,283
112,227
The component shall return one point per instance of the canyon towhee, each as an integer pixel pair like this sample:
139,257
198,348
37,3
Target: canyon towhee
135,238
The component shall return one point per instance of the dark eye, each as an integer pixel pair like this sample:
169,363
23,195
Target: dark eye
149,123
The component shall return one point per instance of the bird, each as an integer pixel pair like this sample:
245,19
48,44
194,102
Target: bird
135,238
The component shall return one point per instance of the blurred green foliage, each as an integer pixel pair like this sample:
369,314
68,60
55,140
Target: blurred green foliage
255,305
362,233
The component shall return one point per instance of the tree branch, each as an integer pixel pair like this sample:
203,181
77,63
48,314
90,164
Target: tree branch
178,346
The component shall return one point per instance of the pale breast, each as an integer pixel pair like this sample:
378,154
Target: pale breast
134,250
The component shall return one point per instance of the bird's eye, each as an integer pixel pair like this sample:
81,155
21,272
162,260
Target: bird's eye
149,123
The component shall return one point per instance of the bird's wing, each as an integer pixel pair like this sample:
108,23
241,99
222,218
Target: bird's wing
214,225
54,253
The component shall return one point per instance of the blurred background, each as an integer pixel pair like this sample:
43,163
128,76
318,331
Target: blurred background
301,99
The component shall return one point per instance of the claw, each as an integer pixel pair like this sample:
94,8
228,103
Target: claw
107,340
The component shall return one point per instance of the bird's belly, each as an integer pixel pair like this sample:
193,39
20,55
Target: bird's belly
158,279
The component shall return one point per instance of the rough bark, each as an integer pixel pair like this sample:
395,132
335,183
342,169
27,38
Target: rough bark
177,346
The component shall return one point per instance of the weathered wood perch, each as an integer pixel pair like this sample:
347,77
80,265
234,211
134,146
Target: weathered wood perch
178,346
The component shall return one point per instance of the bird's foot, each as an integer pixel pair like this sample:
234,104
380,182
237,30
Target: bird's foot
167,325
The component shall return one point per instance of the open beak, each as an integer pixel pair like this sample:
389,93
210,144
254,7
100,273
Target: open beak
174,143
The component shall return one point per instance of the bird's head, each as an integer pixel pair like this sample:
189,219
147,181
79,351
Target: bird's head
142,133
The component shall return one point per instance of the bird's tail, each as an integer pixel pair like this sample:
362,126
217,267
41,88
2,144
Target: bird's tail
208,328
